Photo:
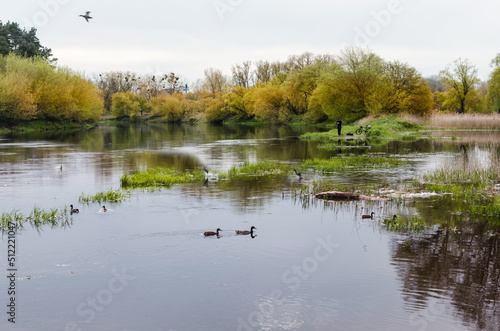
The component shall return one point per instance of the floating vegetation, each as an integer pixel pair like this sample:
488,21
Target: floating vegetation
110,195
160,177
352,162
38,217
405,224
259,169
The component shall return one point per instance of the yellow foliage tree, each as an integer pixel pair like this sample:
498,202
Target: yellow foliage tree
168,106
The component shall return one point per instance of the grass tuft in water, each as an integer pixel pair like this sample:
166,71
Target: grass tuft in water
38,217
110,195
405,224
160,177
262,168
352,162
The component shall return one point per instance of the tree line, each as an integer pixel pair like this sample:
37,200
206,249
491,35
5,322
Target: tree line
351,85
309,87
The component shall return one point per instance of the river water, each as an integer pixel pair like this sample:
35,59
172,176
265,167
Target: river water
145,264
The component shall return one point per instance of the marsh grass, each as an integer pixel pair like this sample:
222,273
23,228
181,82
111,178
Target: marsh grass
405,224
472,185
110,195
352,162
37,218
160,177
250,170
465,121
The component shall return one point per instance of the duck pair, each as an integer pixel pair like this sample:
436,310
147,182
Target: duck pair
73,210
238,232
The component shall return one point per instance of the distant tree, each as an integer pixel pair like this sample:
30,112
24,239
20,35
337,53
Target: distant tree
171,83
126,104
150,86
460,79
15,40
167,106
262,71
435,83
242,74
215,81
113,82
298,62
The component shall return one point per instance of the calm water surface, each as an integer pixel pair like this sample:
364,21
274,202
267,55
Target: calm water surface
145,264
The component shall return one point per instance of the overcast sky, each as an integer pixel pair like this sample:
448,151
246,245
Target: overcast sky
189,36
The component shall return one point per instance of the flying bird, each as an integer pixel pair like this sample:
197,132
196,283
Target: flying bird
86,16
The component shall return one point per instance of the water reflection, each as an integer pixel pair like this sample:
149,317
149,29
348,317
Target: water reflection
451,270
464,266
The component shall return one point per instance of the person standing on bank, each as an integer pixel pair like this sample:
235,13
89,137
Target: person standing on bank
339,126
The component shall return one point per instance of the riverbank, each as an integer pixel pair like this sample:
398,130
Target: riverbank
44,125
381,126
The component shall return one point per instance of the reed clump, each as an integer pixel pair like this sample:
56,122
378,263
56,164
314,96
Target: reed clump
465,121
54,217
258,169
352,162
110,195
405,224
160,177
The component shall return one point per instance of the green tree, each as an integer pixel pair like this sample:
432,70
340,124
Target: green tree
126,104
15,40
460,79
30,88
299,86
405,90
493,95
167,106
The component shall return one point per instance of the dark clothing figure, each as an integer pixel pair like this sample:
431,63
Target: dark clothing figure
339,126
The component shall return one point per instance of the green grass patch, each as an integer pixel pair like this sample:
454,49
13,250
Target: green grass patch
352,162
258,169
470,186
110,195
160,177
405,224
385,126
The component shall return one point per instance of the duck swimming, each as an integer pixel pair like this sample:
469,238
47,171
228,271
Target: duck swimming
73,210
104,209
211,233
245,232
368,216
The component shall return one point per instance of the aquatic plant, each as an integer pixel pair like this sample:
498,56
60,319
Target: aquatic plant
55,217
258,169
352,162
110,195
160,177
405,224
